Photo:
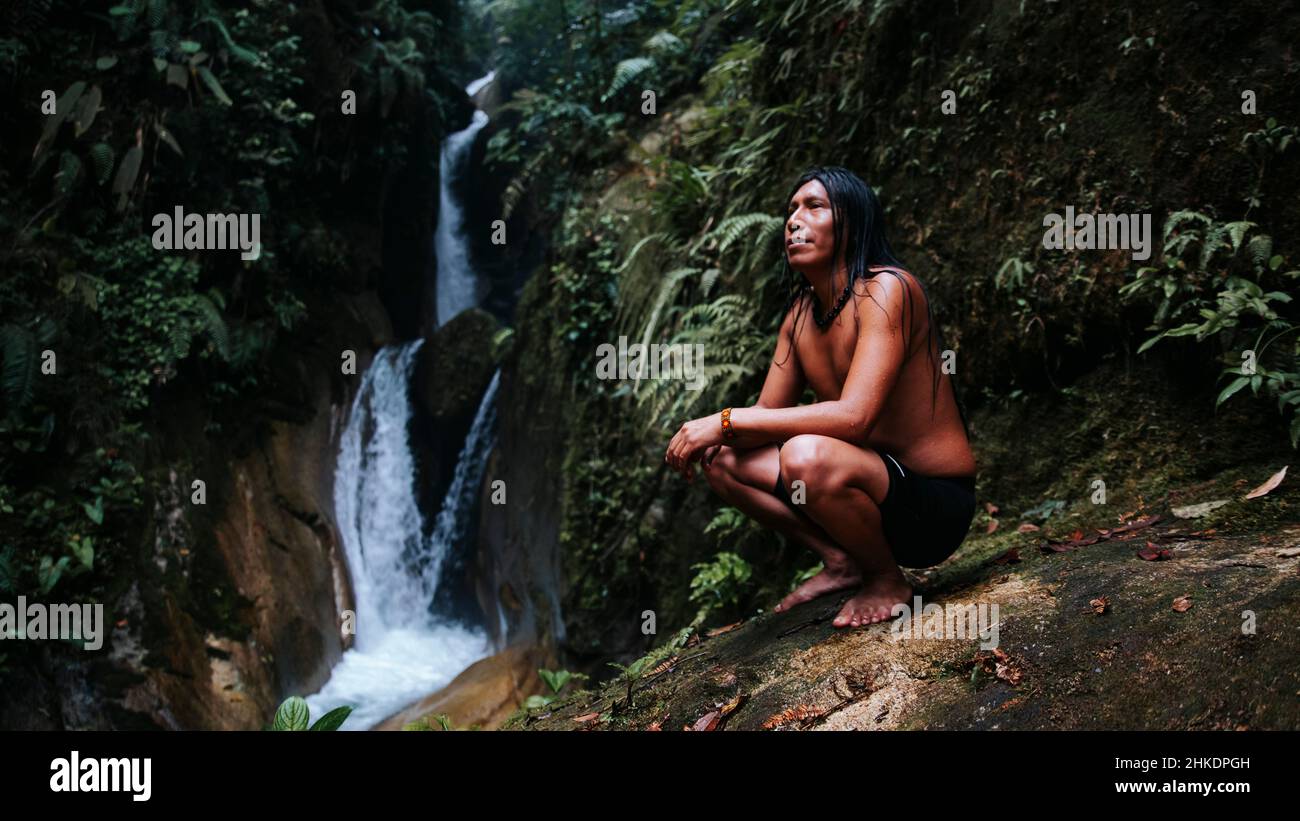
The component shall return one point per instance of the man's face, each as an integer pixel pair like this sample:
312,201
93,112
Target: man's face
809,228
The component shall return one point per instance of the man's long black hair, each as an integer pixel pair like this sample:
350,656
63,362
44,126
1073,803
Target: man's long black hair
859,222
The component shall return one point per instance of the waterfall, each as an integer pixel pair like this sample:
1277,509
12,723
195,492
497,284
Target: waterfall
403,648
450,526
457,284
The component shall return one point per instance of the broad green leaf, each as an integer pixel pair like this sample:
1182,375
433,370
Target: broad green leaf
63,108
1153,340
333,719
126,174
84,550
86,110
105,63
1236,385
95,511
210,80
292,715
166,136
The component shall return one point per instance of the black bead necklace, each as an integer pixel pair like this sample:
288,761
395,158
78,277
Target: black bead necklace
825,321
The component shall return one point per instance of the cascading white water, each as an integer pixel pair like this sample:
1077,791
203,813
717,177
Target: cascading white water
457,284
402,651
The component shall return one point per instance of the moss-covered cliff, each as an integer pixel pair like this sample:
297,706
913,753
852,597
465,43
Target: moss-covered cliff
666,233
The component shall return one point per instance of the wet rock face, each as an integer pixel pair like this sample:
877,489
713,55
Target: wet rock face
484,695
452,370
1142,660
454,367
232,605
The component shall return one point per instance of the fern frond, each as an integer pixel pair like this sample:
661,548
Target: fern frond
18,376
213,324
625,72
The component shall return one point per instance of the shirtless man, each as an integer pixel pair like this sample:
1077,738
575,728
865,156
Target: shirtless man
883,456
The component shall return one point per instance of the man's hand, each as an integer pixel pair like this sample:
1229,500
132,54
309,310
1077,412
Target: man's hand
691,442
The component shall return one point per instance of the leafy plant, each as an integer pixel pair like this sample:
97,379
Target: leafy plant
1210,278
294,714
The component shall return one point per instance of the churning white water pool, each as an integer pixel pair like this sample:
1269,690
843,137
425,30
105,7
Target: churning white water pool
403,650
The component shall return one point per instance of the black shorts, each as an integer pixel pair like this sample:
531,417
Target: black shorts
925,518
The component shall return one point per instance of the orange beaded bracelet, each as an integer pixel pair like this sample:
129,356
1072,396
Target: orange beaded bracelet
727,431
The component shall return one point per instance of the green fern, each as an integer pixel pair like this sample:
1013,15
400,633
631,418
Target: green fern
101,157
627,71
18,377
68,175
733,228
213,323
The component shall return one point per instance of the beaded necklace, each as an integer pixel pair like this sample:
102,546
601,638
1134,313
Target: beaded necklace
824,322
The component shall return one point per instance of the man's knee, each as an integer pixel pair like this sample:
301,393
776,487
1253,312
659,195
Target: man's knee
803,457
809,458
721,471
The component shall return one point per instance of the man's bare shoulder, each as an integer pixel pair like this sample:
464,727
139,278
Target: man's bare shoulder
889,290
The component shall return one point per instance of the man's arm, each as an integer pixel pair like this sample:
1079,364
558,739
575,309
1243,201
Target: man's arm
877,363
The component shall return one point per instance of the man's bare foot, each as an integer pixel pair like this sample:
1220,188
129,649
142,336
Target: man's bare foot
875,602
834,577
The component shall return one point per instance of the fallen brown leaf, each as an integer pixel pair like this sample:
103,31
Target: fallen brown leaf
1100,604
1151,553
588,717
664,666
991,508
1011,556
1182,604
800,713
707,723
1273,481
718,631
1027,527
993,525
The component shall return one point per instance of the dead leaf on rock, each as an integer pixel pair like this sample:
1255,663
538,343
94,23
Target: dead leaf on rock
991,508
1197,511
1000,665
718,631
993,525
1151,553
1099,604
664,666
1182,604
707,723
1011,556
800,713
1027,527
713,719
1273,481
